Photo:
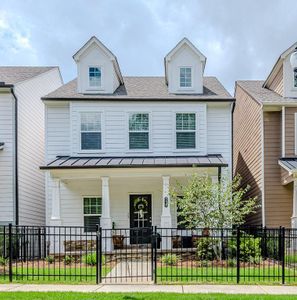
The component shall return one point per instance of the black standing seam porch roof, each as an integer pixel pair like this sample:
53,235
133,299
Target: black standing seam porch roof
289,163
69,162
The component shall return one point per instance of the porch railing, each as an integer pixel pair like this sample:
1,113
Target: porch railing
160,255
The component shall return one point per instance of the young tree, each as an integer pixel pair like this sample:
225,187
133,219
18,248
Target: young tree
204,204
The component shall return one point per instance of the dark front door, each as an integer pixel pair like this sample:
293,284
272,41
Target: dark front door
140,219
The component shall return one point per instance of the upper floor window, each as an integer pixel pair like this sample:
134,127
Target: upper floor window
295,77
94,76
92,212
90,130
185,131
185,77
138,131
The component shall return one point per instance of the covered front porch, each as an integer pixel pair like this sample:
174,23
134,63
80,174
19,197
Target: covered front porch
122,197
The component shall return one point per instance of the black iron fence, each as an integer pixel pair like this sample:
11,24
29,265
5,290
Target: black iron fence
160,255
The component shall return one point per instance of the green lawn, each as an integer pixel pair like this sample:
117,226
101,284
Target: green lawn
135,296
50,275
251,275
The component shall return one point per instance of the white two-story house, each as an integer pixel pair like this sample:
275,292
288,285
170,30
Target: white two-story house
115,145
22,189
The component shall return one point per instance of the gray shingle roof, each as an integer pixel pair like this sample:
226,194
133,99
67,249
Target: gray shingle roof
143,88
263,95
13,75
67,162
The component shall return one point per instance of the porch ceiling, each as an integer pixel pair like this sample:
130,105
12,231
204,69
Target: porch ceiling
69,162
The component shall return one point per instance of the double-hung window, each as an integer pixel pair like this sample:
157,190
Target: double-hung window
295,78
92,207
90,131
185,131
94,76
185,77
138,131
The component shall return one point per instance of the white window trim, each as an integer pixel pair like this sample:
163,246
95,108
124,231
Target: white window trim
82,151
185,87
82,207
99,87
175,131
295,132
128,150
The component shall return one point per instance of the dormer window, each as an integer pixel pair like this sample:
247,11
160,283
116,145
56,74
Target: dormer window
94,76
185,77
295,77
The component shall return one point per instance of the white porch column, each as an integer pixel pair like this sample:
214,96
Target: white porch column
166,220
105,220
105,217
294,214
55,244
56,203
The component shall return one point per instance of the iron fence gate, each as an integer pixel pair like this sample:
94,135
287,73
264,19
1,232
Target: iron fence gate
160,255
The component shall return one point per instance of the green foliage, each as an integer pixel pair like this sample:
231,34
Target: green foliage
205,249
250,248
170,259
91,259
50,259
3,261
232,263
202,203
68,260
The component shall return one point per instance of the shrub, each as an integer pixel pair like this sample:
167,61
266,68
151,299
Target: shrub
91,259
50,259
3,261
232,263
169,259
68,259
250,248
205,249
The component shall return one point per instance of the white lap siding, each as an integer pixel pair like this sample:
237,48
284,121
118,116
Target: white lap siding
31,145
7,158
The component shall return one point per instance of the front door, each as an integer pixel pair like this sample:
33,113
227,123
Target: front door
140,219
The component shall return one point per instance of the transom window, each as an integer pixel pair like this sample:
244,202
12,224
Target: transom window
295,77
92,212
185,131
185,77
139,131
90,128
94,76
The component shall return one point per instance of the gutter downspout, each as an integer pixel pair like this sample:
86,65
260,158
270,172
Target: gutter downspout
16,157
262,168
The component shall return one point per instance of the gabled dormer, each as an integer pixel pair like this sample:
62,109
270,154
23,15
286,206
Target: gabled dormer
98,71
283,77
184,68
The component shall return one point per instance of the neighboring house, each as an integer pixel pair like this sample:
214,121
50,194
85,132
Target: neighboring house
115,144
265,142
22,191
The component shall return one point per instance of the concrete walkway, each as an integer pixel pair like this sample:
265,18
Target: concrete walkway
227,289
129,272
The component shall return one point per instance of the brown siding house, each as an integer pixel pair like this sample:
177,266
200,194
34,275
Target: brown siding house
264,151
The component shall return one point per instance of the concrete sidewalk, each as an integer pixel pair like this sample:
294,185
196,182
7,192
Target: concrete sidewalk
126,288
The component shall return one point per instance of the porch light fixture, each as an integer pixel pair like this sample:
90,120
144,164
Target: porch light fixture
2,146
166,201
293,59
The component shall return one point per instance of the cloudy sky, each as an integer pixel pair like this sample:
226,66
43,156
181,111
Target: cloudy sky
240,38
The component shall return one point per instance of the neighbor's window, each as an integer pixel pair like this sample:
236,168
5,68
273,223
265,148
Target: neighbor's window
295,77
139,131
185,77
94,76
185,131
90,130
92,212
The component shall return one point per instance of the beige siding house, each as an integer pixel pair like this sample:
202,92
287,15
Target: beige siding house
22,189
265,142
